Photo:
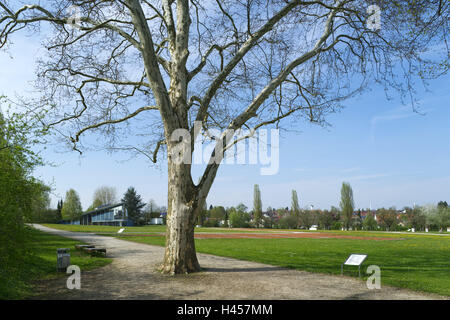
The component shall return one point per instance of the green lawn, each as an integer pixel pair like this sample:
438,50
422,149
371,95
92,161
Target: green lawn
42,263
143,229
420,263
417,262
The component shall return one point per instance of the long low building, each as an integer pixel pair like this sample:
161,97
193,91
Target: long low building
107,215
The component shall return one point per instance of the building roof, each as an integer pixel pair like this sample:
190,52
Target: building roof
103,207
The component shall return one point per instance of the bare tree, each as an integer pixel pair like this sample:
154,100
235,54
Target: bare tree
138,71
104,195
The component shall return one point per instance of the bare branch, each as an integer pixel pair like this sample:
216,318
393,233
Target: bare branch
108,122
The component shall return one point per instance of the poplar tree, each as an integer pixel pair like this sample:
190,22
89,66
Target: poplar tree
347,204
257,206
295,208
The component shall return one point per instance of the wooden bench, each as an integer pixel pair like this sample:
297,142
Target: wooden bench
82,246
95,251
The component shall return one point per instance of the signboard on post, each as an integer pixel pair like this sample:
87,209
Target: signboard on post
354,260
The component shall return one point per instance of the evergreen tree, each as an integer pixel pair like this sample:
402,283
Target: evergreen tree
59,210
133,204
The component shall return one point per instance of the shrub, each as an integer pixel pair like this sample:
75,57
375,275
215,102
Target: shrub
239,219
337,225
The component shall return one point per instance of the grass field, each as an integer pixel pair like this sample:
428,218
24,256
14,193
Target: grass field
143,229
417,262
42,263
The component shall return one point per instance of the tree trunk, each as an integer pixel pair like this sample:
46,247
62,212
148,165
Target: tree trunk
180,255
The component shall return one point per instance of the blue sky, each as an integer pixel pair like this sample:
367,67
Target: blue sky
390,155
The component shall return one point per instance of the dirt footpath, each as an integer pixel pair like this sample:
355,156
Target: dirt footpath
133,275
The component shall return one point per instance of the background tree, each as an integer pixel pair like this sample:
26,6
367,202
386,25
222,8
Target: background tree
151,210
417,219
238,217
104,195
442,218
369,222
337,224
387,218
133,204
202,215
347,204
257,206
308,218
430,211
72,205
326,219
59,210
288,221
295,208
357,221
184,61
442,204
242,207
40,205
217,214
19,194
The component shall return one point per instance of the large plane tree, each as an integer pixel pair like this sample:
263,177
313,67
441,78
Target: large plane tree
138,71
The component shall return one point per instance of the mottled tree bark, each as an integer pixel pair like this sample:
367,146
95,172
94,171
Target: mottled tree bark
183,204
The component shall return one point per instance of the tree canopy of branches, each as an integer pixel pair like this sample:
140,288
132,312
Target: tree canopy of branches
159,67
104,195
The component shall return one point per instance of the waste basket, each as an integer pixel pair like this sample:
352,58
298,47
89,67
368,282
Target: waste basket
62,259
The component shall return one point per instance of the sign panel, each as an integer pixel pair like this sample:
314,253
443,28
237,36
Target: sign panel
355,259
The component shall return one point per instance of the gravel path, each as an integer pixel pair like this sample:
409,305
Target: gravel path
133,275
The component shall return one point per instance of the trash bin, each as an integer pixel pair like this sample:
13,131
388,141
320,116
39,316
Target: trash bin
62,259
